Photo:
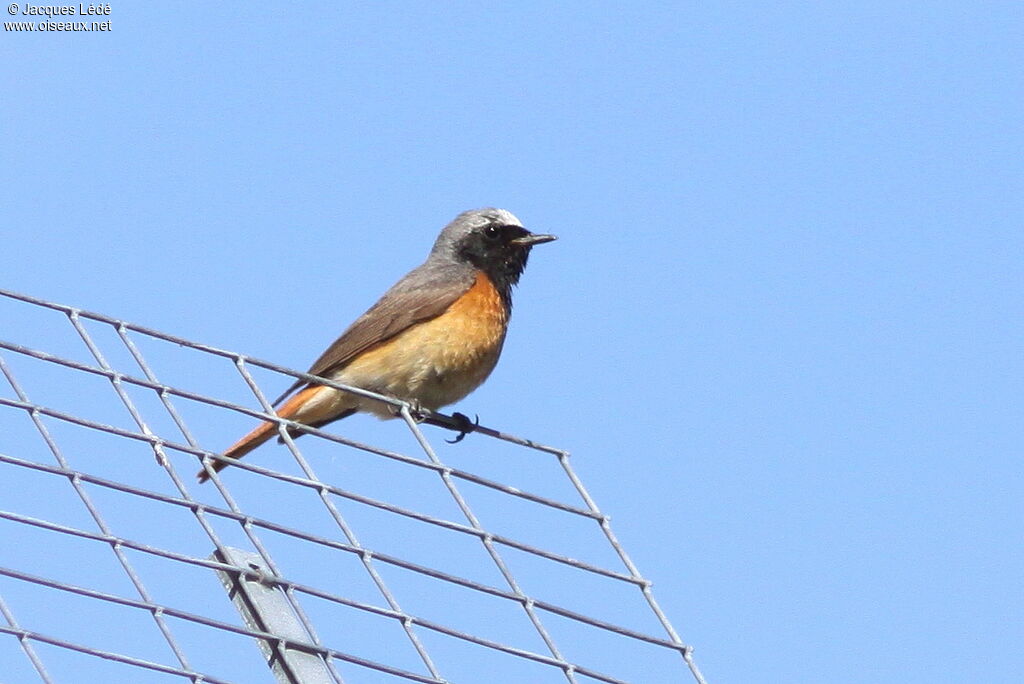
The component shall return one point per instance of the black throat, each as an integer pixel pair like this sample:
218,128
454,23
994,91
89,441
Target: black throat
504,271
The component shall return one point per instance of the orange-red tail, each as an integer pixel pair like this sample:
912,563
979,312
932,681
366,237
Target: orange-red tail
262,433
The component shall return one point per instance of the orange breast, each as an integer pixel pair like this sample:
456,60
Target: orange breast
439,361
478,318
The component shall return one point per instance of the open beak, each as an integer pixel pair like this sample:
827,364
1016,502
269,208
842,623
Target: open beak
532,239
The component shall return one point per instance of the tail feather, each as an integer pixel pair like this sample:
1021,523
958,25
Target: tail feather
296,432
263,432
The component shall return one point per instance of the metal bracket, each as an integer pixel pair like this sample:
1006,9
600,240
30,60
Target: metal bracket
267,608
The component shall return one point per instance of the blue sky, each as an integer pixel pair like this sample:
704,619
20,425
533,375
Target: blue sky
781,330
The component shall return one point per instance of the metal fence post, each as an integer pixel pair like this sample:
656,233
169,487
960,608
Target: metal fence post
265,608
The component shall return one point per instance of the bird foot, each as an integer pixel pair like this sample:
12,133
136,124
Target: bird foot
465,426
416,410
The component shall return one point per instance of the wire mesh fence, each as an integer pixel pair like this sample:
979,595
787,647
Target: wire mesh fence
327,560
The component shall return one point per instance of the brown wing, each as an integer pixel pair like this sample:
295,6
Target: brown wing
421,295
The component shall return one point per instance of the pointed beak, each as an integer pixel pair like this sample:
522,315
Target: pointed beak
533,239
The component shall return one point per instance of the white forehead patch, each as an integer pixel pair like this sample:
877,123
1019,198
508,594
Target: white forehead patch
507,218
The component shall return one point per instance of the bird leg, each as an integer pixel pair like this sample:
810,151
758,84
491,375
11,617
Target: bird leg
416,410
457,422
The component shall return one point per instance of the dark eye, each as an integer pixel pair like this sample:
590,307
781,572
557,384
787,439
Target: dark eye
492,232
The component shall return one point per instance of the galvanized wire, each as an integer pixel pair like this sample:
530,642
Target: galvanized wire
253,526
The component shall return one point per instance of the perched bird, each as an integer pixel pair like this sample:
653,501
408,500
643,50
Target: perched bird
430,340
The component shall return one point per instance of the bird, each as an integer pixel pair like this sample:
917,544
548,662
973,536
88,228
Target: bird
430,340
